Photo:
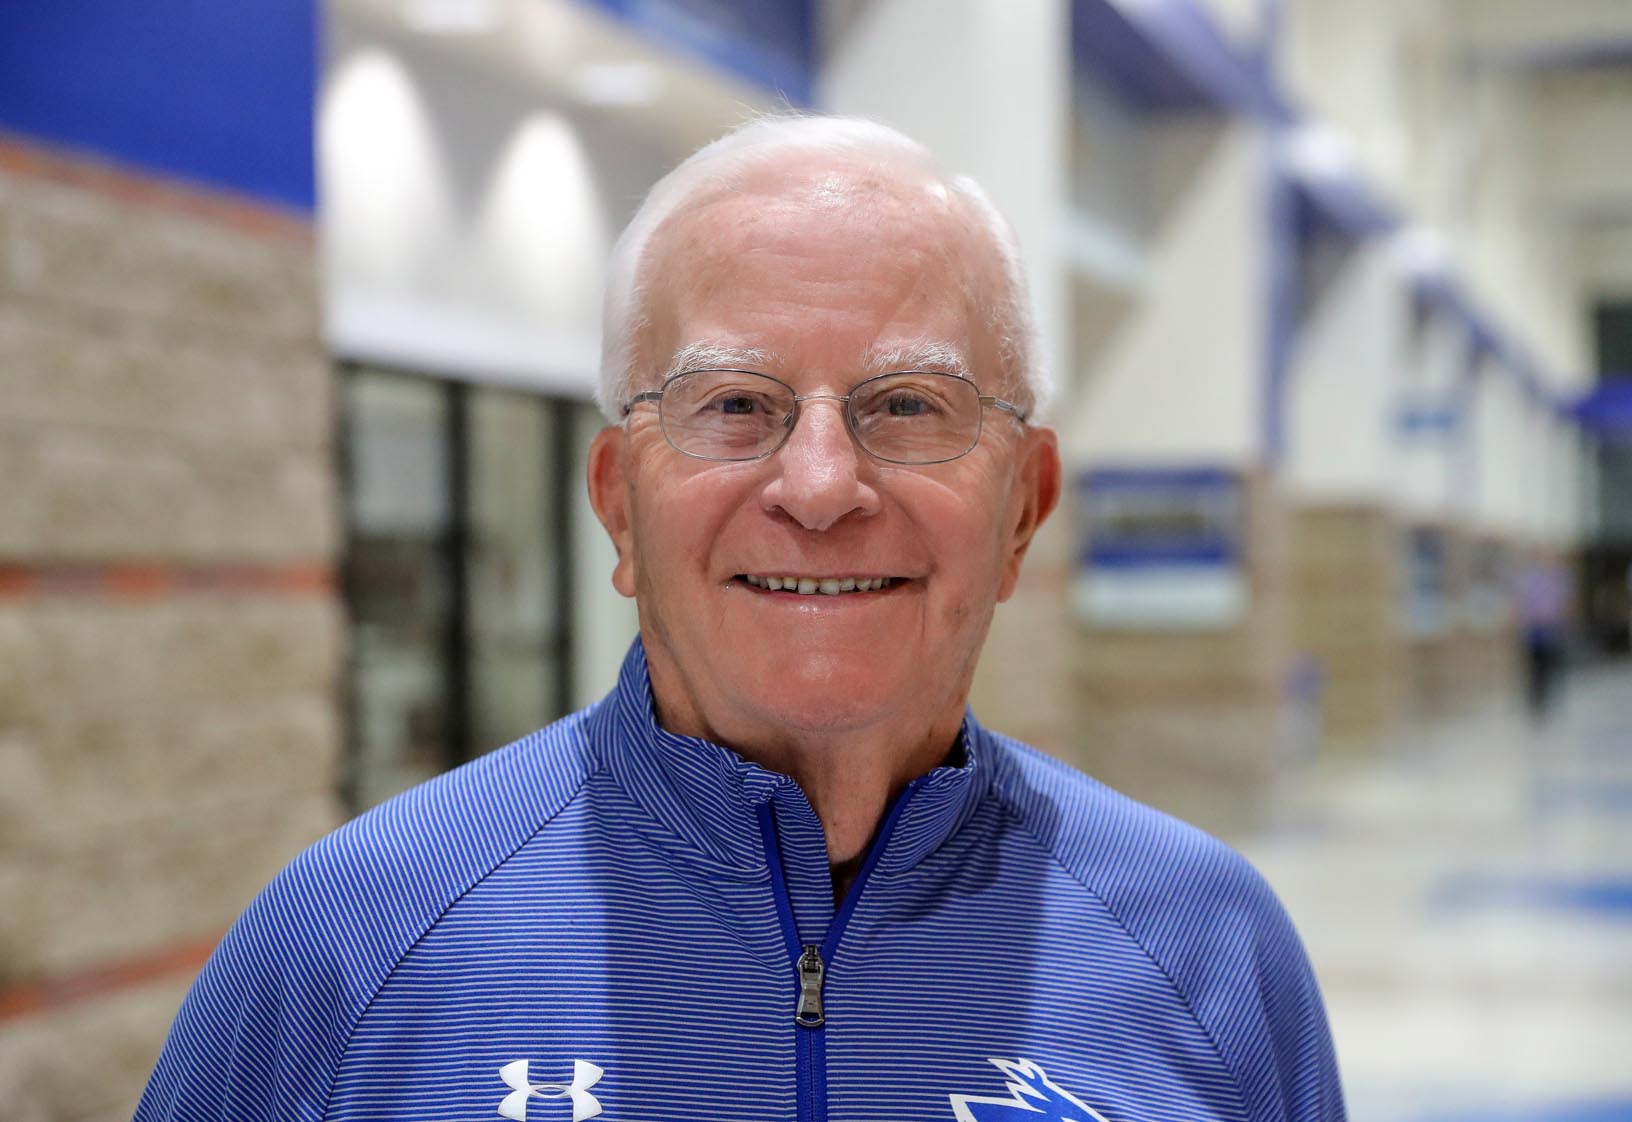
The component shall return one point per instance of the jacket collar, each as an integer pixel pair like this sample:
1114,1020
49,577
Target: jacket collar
709,796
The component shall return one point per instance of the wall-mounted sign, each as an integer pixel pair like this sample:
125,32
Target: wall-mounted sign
1161,549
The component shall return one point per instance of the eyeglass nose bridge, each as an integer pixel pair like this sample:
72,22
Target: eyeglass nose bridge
850,425
792,418
841,398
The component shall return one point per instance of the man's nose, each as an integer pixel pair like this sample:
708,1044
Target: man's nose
820,470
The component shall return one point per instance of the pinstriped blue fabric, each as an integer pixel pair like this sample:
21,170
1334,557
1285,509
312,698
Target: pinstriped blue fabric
603,891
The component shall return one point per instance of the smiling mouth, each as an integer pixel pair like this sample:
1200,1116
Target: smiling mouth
818,586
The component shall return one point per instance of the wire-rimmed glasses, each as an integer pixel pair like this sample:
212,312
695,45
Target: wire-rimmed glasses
907,417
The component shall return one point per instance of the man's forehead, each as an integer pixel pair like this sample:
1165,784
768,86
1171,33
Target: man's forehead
917,213
826,221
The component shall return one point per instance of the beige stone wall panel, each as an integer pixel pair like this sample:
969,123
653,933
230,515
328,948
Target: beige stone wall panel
65,366
1021,687
169,649
44,1073
1175,657
83,247
1022,682
163,759
74,652
1438,677
92,776
83,494
1194,722
1214,768
1346,616
175,880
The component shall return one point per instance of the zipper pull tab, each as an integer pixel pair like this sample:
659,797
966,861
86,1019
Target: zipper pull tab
811,973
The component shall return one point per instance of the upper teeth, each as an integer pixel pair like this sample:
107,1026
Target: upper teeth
809,586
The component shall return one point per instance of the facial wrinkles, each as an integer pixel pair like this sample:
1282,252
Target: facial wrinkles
872,201
865,201
824,307
823,304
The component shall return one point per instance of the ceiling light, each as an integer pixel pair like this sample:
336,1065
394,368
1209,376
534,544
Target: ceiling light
1423,251
1319,152
617,83
453,17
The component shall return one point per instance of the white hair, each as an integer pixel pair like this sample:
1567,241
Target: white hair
718,164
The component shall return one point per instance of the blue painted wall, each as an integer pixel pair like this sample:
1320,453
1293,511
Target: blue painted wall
219,92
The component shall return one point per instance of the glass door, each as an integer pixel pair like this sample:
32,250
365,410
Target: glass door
457,572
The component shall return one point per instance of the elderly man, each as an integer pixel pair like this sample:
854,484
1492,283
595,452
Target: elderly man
781,872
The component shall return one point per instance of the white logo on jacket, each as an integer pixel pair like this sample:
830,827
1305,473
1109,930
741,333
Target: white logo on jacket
584,1076
1030,1091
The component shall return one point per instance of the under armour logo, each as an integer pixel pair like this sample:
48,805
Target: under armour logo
584,1076
1031,1093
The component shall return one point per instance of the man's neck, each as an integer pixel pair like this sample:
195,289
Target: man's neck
850,784
849,775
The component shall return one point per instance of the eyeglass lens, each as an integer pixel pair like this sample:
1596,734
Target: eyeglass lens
914,417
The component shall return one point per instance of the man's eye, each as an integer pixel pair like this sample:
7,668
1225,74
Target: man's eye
908,405
737,405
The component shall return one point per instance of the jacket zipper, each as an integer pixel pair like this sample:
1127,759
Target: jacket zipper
810,960
812,973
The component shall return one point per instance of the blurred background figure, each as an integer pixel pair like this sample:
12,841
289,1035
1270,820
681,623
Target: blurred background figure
298,341
1543,596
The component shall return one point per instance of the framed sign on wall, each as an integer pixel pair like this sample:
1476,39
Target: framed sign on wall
1161,549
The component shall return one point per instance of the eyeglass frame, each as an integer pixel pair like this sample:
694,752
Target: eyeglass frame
791,421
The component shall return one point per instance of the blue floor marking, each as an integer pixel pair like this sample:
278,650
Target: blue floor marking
1603,1110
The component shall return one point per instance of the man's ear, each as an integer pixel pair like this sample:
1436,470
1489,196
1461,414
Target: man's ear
609,495
1036,491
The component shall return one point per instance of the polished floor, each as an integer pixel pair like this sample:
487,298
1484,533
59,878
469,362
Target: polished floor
1466,897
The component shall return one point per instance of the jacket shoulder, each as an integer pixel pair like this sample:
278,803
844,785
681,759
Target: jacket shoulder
264,1026
1205,918
1138,859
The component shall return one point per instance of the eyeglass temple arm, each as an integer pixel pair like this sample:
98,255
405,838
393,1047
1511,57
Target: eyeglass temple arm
1008,407
648,395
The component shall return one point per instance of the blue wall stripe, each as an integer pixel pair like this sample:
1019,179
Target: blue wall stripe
208,91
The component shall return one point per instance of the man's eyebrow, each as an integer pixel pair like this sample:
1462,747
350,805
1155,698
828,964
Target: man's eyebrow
943,357
709,356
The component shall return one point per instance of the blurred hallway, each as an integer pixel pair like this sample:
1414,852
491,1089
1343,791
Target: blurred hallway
1467,901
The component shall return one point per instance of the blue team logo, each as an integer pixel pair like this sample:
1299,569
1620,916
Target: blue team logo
1031,1094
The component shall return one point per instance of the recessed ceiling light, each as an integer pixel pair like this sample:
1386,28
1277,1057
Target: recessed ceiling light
1320,152
453,17
1423,251
617,83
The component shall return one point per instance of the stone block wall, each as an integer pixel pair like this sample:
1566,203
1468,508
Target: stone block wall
1022,684
170,631
1346,618
1437,679
1195,722
1490,631
1476,657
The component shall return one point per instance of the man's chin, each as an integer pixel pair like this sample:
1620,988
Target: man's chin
798,701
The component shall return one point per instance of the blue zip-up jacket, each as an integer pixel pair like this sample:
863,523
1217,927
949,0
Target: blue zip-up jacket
609,920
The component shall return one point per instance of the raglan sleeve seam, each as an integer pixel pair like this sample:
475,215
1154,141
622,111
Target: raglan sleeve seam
1236,1080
